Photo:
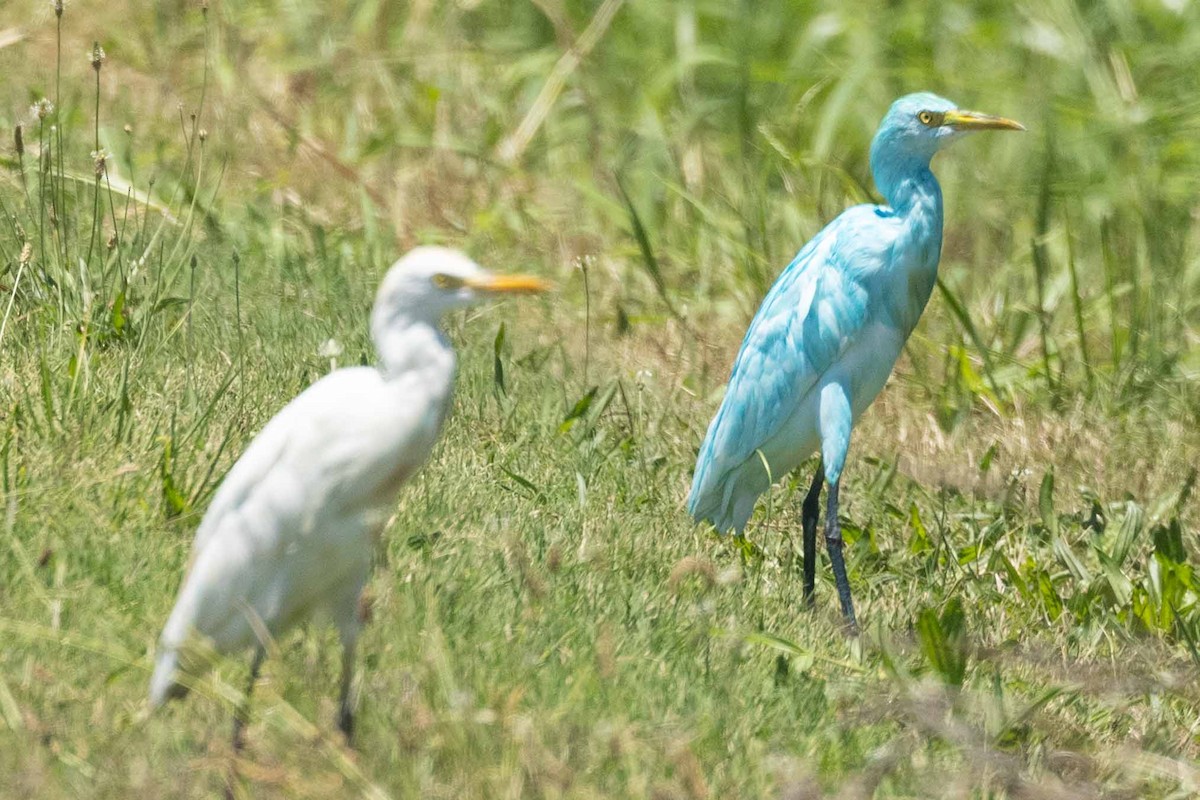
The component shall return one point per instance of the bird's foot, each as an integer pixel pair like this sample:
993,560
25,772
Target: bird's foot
346,724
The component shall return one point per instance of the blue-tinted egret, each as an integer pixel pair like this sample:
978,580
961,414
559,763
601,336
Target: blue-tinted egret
829,332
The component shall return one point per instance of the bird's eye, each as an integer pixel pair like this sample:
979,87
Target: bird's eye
930,118
447,282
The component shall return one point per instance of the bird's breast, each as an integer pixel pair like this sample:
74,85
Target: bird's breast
412,444
910,280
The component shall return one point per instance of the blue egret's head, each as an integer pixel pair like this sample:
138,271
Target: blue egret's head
916,127
921,124
427,282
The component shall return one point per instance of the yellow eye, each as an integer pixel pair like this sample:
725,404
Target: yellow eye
447,282
929,118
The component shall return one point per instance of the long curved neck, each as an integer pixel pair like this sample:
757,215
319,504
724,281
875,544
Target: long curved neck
913,193
907,183
916,196
407,345
903,177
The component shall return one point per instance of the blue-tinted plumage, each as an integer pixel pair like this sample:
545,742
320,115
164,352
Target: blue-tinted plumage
830,330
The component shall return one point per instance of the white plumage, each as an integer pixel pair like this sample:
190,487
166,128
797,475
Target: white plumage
291,529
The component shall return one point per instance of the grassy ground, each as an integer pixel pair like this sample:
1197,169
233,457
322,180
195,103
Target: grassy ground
546,620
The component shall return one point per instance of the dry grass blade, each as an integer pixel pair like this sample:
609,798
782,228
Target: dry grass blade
10,36
321,150
513,146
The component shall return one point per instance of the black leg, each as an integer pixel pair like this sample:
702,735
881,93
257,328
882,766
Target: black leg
809,514
242,715
833,540
345,698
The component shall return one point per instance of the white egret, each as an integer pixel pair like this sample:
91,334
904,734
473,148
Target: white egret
291,529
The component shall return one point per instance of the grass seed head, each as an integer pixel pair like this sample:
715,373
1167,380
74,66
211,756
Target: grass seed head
97,56
41,109
554,558
99,160
692,565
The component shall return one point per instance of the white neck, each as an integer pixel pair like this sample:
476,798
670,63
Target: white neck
413,346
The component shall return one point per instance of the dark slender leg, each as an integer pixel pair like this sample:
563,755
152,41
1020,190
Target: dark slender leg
345,700
809,514
833,540
242,715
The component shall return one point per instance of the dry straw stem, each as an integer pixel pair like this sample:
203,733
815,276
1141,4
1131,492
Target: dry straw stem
320,149
10,36
934,712
513,146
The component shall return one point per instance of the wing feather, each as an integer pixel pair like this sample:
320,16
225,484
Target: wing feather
287,437
321,465
811,315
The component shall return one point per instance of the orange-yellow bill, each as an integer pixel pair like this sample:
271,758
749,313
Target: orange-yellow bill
974,121
510,284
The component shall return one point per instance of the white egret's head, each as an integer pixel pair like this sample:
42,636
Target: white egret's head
428,281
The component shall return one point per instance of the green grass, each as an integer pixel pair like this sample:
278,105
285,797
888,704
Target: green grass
547,622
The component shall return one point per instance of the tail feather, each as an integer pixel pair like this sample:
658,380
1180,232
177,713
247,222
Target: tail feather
727,499
163,683
707,493
712,504
715,484
705,504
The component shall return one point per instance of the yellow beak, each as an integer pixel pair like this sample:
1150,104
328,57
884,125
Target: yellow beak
510,284
974,121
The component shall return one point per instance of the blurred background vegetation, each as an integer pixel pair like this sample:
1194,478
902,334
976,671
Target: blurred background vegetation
737,130
187,226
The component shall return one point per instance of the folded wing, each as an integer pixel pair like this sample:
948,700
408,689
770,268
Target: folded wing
811,316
